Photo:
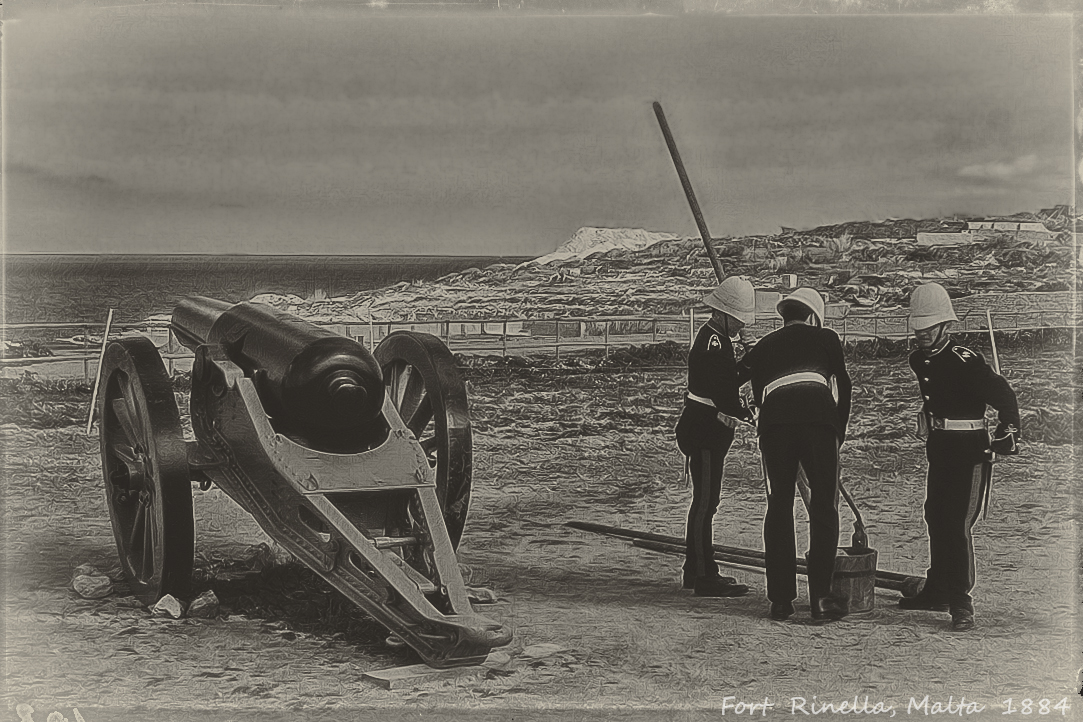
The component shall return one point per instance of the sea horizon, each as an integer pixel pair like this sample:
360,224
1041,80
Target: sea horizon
77,287
249,256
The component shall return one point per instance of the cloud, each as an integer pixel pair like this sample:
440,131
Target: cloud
1021,166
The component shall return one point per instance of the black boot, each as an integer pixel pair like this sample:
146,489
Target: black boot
781,611
690,580
715,587
929,601
962,619
829,608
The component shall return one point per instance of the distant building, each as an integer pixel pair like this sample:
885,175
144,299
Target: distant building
1021,230
945,239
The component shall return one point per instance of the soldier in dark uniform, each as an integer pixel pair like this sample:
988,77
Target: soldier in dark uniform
796,373
705,430
956,385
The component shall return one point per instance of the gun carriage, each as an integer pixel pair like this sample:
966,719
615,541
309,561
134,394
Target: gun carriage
357,463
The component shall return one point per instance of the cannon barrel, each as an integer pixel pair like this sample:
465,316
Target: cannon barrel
312,382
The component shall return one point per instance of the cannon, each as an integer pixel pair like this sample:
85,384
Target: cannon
358,463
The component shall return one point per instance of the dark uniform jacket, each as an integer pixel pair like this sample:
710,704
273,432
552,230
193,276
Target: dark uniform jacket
957,383
793,349
712,374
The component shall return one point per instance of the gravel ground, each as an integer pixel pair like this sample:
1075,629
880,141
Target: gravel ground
629,643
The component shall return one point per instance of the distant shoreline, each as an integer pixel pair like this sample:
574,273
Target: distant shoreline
249,257
77,287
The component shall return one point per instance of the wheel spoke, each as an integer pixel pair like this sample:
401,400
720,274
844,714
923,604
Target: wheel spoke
123,452
127,423
138,525
398,375
148,546
431,445
421,416
413,394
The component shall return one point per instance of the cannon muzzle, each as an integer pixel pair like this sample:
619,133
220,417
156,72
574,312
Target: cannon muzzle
323,387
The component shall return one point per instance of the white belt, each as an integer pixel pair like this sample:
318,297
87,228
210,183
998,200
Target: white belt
730,421
957,424
798,378
700,399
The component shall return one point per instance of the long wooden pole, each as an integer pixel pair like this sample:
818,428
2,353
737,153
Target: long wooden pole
690,194
631,534
738,560
992,341
98,373
716,263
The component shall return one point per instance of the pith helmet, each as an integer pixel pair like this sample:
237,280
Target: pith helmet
809,298
736,297
930,305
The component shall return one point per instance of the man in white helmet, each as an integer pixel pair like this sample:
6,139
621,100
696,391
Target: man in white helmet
800,424
712,409
956,385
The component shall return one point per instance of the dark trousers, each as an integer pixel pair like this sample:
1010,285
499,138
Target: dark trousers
815,448
705,468
955,484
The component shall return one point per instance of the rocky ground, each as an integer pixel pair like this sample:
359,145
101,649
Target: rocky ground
619,639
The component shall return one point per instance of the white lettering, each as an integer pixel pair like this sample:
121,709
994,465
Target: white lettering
730,704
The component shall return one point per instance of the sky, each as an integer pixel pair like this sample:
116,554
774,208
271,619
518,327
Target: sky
307,128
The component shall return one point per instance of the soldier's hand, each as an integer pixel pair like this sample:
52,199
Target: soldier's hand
745,415
730,422
1005,440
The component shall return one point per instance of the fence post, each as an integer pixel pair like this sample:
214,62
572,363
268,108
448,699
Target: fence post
691,327
654,331
169,350
505,337
86,361
607,338
844,330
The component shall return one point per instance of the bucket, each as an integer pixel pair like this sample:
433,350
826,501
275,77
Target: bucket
855,578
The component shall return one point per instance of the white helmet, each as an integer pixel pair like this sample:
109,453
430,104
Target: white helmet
930,305
809,298
736,297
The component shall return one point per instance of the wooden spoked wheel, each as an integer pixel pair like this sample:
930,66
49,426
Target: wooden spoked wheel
425,387
144,459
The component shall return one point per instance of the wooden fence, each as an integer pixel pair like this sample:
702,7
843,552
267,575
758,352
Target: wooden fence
79,353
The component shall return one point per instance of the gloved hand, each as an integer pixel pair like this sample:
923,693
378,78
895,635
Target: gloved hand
1005,440
730,422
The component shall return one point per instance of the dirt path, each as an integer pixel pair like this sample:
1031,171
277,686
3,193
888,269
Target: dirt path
593,448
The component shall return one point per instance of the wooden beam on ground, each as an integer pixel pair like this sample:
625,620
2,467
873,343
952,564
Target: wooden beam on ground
415,675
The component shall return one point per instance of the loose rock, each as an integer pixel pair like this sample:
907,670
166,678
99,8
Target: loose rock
537,651
92,586
204,606
168,607
87,570
481,595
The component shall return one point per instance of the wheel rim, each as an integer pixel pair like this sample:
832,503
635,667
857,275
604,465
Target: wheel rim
426,389
147,489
